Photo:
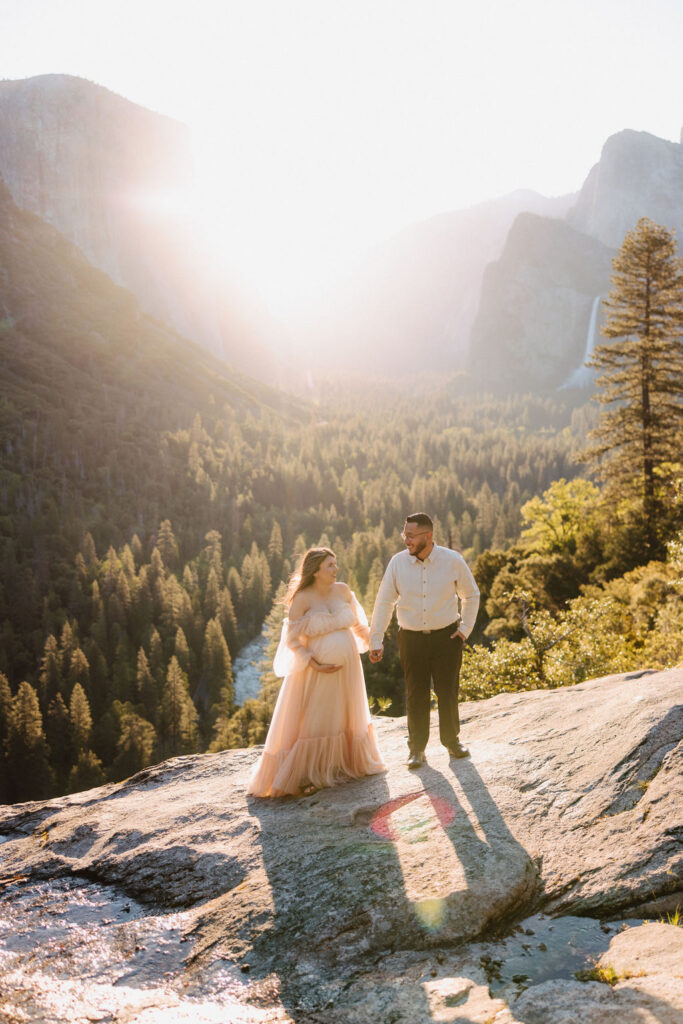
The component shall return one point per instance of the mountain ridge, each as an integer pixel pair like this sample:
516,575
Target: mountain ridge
421,291
89,162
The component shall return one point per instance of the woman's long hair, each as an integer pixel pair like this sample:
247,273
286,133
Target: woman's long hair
304,574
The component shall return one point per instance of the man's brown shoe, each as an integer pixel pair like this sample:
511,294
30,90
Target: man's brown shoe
416,759
457,750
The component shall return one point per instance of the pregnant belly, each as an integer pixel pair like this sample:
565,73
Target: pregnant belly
336,648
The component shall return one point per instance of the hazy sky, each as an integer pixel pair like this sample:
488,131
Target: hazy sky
321,126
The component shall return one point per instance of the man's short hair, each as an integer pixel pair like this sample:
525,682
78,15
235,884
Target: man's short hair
420,519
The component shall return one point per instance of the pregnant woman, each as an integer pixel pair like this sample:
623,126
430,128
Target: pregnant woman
321,732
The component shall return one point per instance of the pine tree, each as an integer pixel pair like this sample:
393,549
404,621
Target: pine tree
638,440
226,614
182,651
128,562
236,588
275,551
178,715
110,571
58,733
68,642
176,609
81,719
255,574
211,595
99,630
86,773
89,552
99,678
5,707
156,656
28,768
142,607
167,545
156,571
5,710
79,670
123,589
217,681
123,671
213,552
146,687
50,678
136,548
136,743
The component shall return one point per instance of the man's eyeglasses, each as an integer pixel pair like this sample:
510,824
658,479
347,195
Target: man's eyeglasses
411,536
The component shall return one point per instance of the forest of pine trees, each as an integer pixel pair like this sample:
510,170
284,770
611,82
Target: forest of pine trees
123,655
152,502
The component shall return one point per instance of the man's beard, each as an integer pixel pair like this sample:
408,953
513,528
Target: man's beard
421,545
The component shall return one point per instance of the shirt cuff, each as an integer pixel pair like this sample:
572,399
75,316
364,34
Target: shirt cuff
376,641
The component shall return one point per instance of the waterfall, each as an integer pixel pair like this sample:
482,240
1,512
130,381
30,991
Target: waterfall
582,376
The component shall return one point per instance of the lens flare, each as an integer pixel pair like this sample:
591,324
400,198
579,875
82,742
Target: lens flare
416,824
430,912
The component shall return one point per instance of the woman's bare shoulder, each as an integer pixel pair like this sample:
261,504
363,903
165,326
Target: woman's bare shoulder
300,605
344,590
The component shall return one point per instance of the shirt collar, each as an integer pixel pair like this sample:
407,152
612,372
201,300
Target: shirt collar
424,561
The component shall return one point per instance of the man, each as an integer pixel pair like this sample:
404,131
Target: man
425,582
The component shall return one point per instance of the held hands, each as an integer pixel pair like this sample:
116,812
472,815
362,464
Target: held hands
320,666
377,655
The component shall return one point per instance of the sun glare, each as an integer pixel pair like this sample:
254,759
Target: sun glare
320,131
281,257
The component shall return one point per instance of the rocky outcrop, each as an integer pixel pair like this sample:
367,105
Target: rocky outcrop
536,305
638,978
638,175
377,897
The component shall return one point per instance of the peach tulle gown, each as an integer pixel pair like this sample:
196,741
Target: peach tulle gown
321,732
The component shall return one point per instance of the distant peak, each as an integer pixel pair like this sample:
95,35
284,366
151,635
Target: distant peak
52,81
55,86
633,136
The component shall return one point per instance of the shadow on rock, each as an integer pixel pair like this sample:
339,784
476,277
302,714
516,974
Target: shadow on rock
378,866
337,892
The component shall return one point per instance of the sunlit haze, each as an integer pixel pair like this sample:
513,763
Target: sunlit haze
321,128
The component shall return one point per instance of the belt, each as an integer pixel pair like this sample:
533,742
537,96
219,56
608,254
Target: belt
427,632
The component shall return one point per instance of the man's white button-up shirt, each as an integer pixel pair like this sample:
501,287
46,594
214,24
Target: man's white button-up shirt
425,594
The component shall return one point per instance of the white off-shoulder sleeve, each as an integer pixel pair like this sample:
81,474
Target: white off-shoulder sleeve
292,655
360,627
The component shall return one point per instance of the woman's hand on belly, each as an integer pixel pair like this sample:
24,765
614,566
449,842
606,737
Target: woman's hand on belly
321,666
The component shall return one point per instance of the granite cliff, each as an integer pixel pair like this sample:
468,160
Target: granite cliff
87,161
535,317
465,892
418,292
638,175
534,325
511,289
99,168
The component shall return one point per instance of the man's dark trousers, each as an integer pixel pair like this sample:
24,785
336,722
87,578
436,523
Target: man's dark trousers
426,657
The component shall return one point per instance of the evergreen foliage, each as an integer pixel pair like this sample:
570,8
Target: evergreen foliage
152,502
637,444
